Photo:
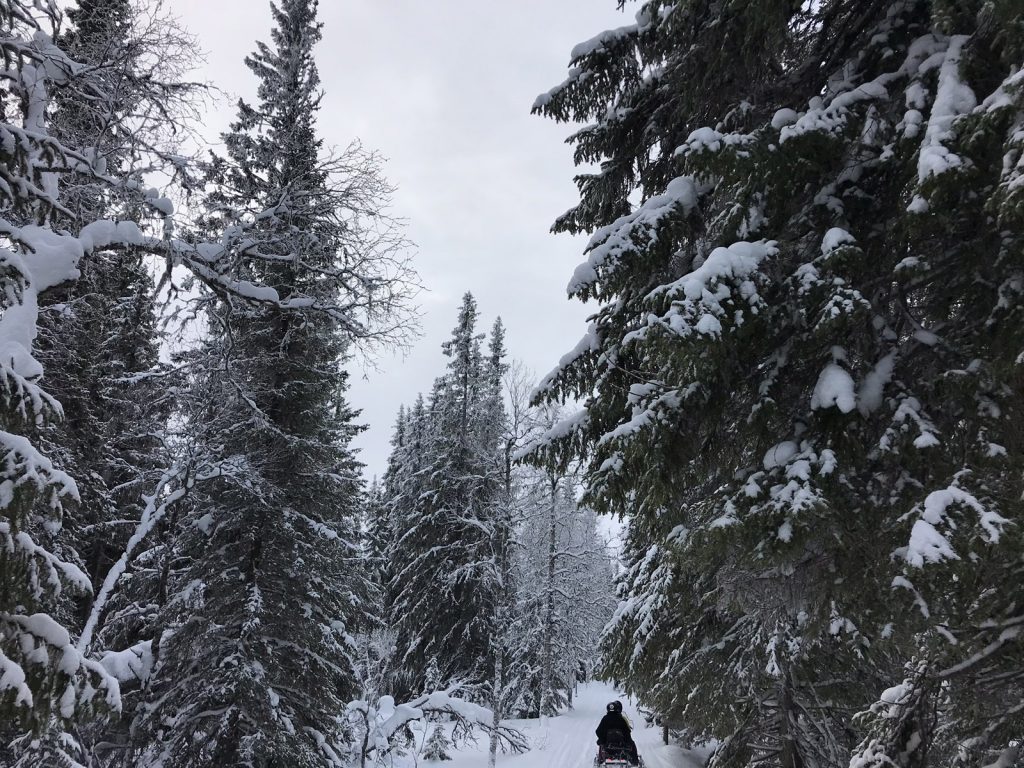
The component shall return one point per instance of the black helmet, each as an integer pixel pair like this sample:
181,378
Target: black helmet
615,706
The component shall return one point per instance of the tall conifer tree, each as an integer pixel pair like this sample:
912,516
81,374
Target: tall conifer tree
60,178
42,676
444,586
801,381
255,657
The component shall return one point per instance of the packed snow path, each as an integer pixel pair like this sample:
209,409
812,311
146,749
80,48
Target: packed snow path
568,741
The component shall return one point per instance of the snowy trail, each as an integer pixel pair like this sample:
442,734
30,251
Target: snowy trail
568,741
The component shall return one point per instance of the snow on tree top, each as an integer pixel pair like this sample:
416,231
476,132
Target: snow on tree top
599,42
835,388
835,238
952,99
611,243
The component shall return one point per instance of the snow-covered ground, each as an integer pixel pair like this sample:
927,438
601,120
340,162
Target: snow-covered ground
568,741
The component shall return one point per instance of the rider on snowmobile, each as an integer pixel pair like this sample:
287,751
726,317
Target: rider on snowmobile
614,727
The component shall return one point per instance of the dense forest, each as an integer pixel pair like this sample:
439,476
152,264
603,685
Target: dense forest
799,396
802,377
194,570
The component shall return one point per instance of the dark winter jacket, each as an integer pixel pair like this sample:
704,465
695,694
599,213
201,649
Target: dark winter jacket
610,722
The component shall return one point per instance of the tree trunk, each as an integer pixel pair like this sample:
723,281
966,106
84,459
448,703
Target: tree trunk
496,706
500,621
366,737
547,663
789,755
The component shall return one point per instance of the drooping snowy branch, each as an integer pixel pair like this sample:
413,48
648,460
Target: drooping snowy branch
384,719
156,506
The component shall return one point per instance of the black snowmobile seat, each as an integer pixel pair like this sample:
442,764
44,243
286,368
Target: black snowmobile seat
615,738
617,747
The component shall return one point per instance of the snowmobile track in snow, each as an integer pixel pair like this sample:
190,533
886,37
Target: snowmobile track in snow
568,741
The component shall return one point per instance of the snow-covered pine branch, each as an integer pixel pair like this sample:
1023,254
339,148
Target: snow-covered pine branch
799,373
382,720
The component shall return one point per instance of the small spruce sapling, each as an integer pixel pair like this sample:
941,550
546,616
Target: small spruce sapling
437,746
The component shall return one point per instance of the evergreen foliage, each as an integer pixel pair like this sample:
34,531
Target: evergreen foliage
801,379
437,746
256,649
464,518
445,495
110,544
98,335
44,677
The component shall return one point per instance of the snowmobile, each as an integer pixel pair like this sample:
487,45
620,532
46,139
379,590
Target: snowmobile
617,752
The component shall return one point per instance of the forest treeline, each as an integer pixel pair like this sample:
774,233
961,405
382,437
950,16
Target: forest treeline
800,388
193,571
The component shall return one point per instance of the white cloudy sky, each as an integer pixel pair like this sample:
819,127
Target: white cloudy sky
443,89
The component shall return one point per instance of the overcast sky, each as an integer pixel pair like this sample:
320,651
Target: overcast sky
443,89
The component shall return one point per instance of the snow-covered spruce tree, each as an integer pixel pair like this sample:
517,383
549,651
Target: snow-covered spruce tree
254,660
505,384
390,493
437,746
376,533
801,382
98,336
44,677
373,639
401,490
444,586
